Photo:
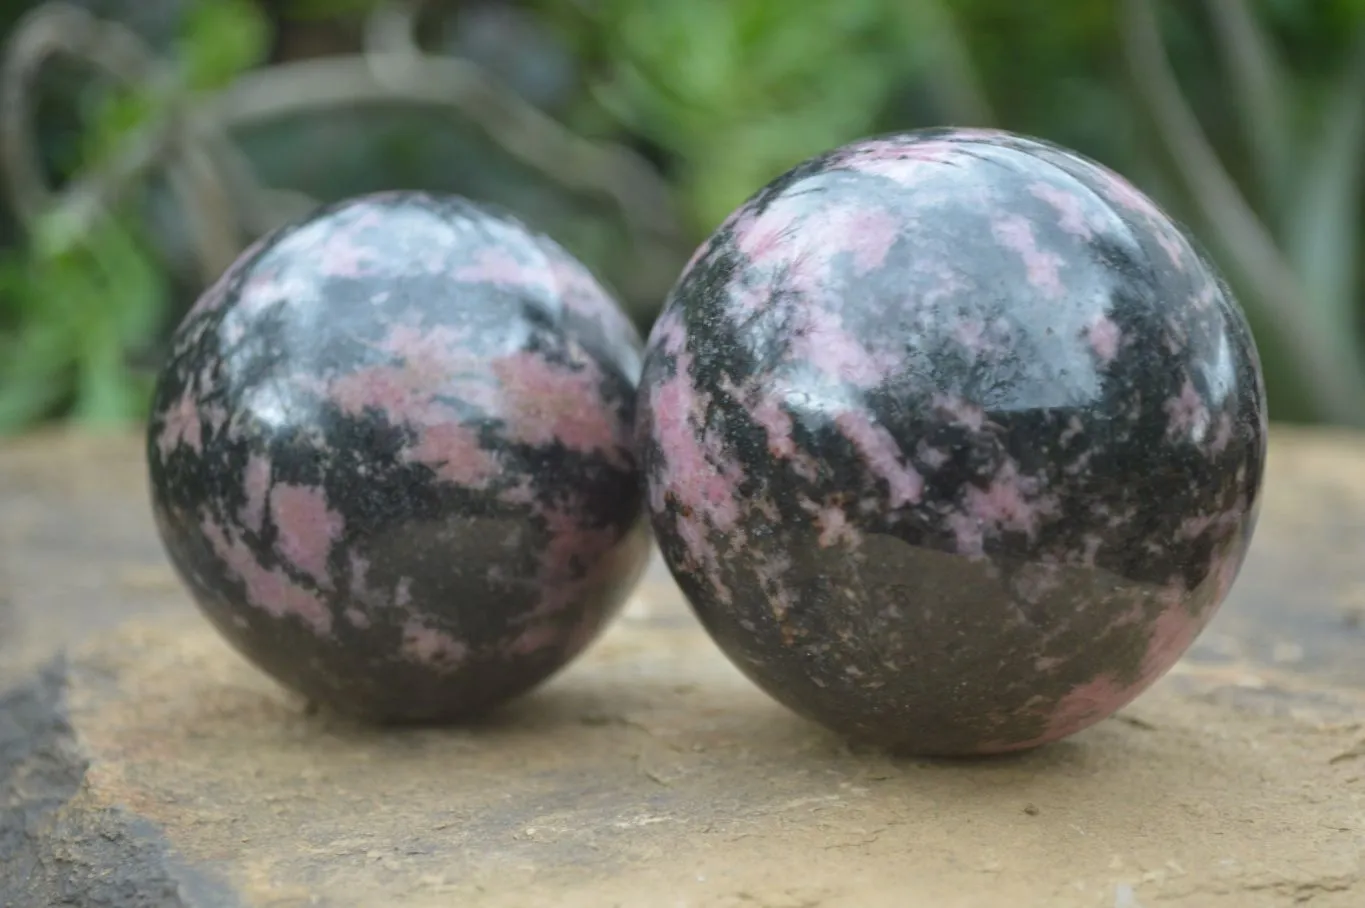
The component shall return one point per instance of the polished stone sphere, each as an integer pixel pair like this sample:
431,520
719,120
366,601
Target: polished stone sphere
953,440
390,457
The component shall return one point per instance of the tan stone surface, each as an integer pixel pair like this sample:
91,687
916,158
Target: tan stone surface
650,773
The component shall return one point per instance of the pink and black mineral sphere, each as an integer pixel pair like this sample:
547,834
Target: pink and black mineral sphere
390,456
953,440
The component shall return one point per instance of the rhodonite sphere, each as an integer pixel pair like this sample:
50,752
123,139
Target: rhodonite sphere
952,440
390,457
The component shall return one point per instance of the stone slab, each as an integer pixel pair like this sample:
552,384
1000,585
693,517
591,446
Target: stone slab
142,763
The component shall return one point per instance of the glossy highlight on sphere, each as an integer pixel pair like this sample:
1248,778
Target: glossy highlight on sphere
390,457
952,440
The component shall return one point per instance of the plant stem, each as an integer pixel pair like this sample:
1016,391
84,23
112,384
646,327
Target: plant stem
464,87
1328,361
53,29
58,29
194,137
1258,86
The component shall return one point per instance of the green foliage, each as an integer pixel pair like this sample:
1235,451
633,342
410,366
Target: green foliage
116,115
734,91
731,92
739,90
220,39
74,313
1294,140
79,301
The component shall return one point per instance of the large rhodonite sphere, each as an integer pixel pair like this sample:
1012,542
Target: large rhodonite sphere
952,440
390,456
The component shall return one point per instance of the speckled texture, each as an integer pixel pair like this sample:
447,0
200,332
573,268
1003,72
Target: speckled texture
952,440
390,456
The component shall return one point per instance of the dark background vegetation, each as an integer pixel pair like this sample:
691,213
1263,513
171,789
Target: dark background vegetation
143,143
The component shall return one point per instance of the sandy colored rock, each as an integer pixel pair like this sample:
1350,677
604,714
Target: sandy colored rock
147,764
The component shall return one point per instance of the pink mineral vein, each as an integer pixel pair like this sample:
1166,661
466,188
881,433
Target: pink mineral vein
582,293
270,590
1043,266
571,558
533,639
882,456
1069,206
771,570
824,344
341,256
1172,633
546,402
307,528
495,265
430,646
453,452
835,528
907,163
1174,246
181,425
1187,412
256,484
1011,502
1083,705
763,240
960,412
1223,436
697,473
1104,336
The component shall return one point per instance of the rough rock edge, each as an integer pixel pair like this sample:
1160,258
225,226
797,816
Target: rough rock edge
56,851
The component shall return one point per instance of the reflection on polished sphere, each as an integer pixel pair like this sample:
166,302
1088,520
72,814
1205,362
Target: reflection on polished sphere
952,440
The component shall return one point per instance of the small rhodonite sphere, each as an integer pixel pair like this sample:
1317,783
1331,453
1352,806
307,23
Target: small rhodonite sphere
390,457
952,440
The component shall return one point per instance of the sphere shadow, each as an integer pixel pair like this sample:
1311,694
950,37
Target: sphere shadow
620,741
695,717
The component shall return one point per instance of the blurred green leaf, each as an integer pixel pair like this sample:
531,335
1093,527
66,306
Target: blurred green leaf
105,394
30,380
78,300
138,302
732,87
81,305
121,113
221,39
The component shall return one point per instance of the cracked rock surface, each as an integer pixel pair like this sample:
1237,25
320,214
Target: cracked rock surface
142,763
